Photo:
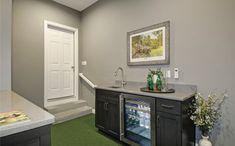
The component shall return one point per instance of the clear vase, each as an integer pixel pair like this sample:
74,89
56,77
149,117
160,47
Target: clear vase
205,141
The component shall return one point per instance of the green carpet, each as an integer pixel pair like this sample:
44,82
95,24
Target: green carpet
80,132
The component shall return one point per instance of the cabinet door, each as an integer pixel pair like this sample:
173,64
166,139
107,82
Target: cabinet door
36,137
101,112
168,129
113,119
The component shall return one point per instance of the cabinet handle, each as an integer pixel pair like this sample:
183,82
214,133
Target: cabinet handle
105,106
167,106
158,118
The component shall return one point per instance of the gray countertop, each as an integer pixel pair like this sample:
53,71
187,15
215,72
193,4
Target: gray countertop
10,101
182,91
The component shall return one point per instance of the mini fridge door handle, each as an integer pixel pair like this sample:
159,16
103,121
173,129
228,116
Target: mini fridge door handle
121,104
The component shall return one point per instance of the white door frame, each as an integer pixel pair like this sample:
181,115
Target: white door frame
75,31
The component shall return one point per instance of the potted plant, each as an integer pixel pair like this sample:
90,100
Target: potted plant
204,112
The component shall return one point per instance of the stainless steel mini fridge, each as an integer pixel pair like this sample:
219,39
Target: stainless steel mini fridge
137,120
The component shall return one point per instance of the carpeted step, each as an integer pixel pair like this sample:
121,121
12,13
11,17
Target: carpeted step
66,106
72,114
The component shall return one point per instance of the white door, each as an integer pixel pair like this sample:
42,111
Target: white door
59,63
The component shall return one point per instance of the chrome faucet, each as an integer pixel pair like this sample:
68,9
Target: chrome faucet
116,73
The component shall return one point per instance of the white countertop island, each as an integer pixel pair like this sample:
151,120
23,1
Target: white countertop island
10,101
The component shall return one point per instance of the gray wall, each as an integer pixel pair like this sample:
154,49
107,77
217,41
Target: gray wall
202,46
5,44
28,43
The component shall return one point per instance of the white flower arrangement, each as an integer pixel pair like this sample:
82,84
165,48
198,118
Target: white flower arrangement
205,112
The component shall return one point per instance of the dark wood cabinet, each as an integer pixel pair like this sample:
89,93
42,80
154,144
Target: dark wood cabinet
107,112
101,113
113,116
36,137
168,129
174,127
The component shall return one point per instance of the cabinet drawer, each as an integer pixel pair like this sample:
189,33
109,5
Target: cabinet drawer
106,93
169,106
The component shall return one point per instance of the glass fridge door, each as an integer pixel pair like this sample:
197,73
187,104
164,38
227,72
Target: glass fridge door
137,121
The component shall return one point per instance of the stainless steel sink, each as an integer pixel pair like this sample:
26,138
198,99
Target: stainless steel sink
115,86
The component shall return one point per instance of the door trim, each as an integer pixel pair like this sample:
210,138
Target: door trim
76,47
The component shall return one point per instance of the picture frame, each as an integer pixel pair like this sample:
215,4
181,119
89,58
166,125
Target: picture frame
149,45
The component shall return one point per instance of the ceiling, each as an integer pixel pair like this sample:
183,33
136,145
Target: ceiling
77,4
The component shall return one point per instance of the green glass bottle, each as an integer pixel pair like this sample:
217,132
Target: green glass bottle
159,82
150,81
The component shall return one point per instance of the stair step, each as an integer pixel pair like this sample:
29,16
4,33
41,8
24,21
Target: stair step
66,106
72,114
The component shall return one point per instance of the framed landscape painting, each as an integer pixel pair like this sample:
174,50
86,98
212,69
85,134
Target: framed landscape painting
150,45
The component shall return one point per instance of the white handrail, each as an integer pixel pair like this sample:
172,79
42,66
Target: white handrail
87,80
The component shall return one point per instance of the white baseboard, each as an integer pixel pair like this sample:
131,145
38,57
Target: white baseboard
93,111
